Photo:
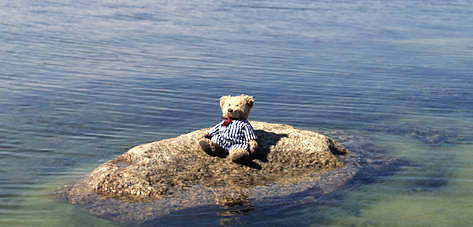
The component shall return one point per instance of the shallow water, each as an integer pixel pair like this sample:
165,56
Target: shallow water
83,81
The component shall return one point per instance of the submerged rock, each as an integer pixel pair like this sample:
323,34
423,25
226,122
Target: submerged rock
155,179
429,134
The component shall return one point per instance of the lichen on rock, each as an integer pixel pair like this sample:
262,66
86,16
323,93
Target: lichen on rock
172,174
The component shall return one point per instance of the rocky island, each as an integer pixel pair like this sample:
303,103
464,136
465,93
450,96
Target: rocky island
158,178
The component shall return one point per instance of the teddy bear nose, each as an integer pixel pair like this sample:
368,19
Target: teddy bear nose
230,110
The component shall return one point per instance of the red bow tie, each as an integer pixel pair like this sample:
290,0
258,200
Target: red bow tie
227,121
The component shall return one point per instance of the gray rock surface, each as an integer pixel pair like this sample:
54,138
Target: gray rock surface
158,178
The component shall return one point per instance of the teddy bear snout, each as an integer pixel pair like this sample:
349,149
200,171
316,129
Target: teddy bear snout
230,110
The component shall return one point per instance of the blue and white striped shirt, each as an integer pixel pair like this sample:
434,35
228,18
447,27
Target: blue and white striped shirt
234,135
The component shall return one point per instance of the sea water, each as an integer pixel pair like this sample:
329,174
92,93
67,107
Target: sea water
83,81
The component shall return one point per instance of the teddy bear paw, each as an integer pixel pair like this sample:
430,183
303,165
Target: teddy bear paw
239,155
253,146
210,147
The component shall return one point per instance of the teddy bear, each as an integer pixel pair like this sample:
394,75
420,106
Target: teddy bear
234,135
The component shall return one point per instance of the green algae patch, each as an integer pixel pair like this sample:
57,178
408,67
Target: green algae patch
434,189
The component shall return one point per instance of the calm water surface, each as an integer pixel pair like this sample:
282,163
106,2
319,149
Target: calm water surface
83,81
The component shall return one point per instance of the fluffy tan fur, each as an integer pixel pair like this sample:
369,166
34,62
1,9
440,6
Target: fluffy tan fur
235,107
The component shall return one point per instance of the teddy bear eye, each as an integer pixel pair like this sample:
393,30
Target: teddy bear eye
237,105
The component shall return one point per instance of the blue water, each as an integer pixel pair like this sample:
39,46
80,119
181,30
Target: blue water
83,81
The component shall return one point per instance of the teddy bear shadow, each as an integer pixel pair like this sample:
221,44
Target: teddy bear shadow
265,141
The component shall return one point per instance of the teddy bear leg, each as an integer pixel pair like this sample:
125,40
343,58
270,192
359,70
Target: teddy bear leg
239,155
210,147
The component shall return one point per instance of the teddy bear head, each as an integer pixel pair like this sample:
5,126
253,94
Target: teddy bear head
236,107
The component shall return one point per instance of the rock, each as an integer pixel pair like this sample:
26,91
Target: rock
158,178
428,133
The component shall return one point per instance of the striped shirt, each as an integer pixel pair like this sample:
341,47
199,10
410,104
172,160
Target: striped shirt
234,135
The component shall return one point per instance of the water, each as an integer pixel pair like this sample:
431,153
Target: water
83,81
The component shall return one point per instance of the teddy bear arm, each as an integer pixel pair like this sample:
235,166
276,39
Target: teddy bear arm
253,145
211,132
206,135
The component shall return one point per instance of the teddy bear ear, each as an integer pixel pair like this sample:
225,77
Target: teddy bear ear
250,100
222,100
